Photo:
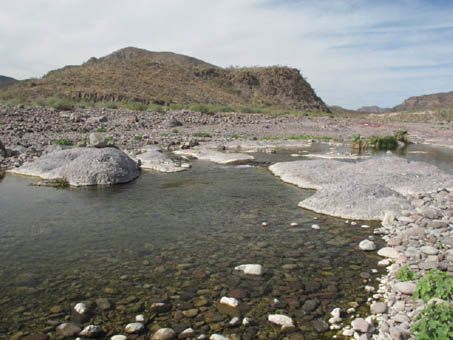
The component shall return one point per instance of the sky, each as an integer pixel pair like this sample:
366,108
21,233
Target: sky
353,52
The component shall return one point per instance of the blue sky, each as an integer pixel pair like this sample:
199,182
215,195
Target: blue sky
353,53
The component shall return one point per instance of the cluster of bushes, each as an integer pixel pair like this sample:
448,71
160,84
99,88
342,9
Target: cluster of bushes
379,142
435,321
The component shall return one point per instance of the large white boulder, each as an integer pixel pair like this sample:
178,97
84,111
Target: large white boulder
83,166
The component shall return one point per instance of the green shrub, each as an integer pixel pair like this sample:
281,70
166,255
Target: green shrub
435,283
136,106
235,136
404,274
388,143
201,134
61,104
108,105
108,140
200,108
156,107
138,138
224,109
63,141
175,131
164,134
101,129
435,322
401,135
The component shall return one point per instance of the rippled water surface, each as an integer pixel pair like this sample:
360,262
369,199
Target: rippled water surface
175,238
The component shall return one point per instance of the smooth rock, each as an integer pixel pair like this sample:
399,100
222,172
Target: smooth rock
218,337
232,302
97,140
135,327
215,156
407,288
367,245
118,337
360,325
154,159
389,252
378,308
91,331
68,329
428,250
281,320
164,334
83,166
251,269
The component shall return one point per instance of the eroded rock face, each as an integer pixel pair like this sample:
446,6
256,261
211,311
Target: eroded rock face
83,166
363,190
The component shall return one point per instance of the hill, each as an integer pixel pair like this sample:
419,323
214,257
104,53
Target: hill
372,109
133,74
426,102
4,80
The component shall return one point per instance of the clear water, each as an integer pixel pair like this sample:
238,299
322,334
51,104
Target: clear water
174,238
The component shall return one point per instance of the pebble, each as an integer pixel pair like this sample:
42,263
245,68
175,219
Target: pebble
315,227
232,302
118,337
389,252
164,334
91,331
250,269
281,320
134,327
407,288
218,337
80,308
360,325
68,329
378,308
367,245
140,318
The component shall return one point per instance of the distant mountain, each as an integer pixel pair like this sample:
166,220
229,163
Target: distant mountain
341,110
426,102
372,109
166,77
4,80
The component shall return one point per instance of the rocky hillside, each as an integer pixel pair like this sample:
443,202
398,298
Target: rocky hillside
425,102
372,109
166,78
7,80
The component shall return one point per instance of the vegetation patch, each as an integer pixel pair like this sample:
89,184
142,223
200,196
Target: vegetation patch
61,104
435,283
63,141
201,134
138,138
136,106
381,143
435,322
404,274
101,129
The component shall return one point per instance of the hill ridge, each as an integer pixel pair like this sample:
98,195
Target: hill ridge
166,77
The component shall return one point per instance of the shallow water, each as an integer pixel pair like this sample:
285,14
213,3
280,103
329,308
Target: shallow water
175,238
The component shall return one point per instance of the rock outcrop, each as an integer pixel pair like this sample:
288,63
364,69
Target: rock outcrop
83,166
363,190
153,158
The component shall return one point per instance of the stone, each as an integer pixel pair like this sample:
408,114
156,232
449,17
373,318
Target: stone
140,318
164,334
335,313
367,245
68,329
160,307
81,308
154,159
133,328
315,227
361,190
218,337
214,156
320,325
232,302
389,252
118,337
91,331
83,166
378,308
187,333
310,305
36,337
407,288
281,320
250,269
103,304
360,325
97,140
428,250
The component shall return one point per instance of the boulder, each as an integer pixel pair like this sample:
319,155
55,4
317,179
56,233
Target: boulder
281,320
153,158
164,334
407,288
389,252
97,140
83,166
367,245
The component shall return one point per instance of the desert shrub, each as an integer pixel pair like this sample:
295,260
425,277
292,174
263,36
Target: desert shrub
400,135
404,274
63,141
108,105
101,129
200,108
156,107
435,322
201,134
435,283
136,106
137,138
61,104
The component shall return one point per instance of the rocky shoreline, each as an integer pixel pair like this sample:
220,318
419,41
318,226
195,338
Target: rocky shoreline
419,236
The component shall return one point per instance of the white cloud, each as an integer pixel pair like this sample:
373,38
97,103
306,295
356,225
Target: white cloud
352,52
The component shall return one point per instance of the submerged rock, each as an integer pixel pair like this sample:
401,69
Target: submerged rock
83,166
251,269
281,320
367,245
